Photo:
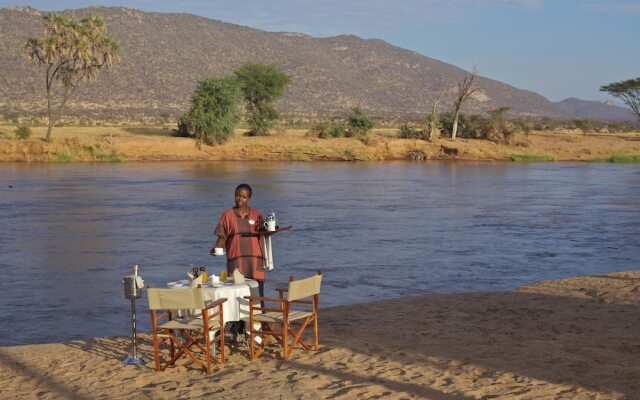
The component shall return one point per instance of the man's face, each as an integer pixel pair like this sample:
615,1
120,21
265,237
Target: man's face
242,198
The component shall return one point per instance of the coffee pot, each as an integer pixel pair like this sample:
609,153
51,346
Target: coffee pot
272,217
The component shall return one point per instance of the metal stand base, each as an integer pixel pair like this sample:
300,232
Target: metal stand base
133,361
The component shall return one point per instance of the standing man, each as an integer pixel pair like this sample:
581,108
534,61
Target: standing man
237,233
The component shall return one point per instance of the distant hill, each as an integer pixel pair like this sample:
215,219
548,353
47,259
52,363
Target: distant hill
606,111
164,55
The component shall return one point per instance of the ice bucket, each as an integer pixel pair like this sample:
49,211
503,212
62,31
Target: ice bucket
130,289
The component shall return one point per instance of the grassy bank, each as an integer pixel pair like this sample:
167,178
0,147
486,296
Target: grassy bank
116,144
621,159
533,158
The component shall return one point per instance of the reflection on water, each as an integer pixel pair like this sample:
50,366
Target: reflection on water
71,232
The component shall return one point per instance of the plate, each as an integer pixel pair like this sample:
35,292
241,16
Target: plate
180,283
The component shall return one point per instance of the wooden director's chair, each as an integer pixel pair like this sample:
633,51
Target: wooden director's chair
196,331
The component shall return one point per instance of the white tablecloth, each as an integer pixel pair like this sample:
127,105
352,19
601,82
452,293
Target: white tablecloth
236,307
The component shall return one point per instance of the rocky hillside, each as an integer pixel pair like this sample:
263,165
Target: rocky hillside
608,111
164,55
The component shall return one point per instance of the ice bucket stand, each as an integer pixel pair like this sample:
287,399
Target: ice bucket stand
132,292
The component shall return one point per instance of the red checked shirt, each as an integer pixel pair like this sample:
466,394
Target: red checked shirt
242,242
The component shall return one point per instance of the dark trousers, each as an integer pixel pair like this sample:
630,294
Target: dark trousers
238,326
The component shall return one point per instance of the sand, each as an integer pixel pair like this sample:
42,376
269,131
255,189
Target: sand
108,144
576,338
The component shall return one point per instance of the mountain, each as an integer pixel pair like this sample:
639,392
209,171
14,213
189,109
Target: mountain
164,55
606,111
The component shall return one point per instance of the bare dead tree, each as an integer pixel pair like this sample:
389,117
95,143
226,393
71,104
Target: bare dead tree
433,125
465,89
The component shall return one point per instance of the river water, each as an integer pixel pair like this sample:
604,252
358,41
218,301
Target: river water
71,232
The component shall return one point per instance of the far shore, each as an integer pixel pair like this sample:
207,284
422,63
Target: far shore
574,338
117,144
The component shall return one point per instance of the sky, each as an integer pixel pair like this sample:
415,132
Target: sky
557,48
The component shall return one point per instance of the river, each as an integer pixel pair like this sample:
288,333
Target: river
71,232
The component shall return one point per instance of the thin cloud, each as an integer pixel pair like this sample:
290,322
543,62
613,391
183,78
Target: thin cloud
332,17
369,18
612,7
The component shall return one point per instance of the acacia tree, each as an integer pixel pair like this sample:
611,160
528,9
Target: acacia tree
262,85
628,91
214,110
465,89
71,50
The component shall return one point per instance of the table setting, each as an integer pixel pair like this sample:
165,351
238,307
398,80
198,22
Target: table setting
233,289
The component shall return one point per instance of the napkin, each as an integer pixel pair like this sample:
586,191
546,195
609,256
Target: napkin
237,276
139,282
194,281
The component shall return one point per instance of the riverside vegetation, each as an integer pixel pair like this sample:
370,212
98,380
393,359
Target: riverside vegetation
73,50
307,143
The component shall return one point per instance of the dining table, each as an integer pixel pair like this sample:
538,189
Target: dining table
236,308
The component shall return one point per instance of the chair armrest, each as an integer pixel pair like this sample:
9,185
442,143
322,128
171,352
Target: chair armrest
301,302
258,298
165,314
216,303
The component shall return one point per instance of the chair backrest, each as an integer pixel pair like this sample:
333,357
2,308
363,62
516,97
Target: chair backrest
304,287
188,298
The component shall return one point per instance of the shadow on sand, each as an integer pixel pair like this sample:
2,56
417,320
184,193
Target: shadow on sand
575,345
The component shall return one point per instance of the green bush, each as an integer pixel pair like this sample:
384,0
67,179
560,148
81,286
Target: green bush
476,127
213,115
408,131
22,132
359,124
14,118
113,156
584,124
65,156
446,121
501,129
434,127
183,126
261,122
525,127
89,149
327,129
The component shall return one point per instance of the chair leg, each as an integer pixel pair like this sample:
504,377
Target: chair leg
315,332
252,347
268,332
207,350
297,339
285,331
221,344
156,350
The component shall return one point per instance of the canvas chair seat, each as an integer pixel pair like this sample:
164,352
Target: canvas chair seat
195,324
278,317
278,323
193,337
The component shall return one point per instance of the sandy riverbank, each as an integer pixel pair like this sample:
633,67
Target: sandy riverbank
575,338
156,144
